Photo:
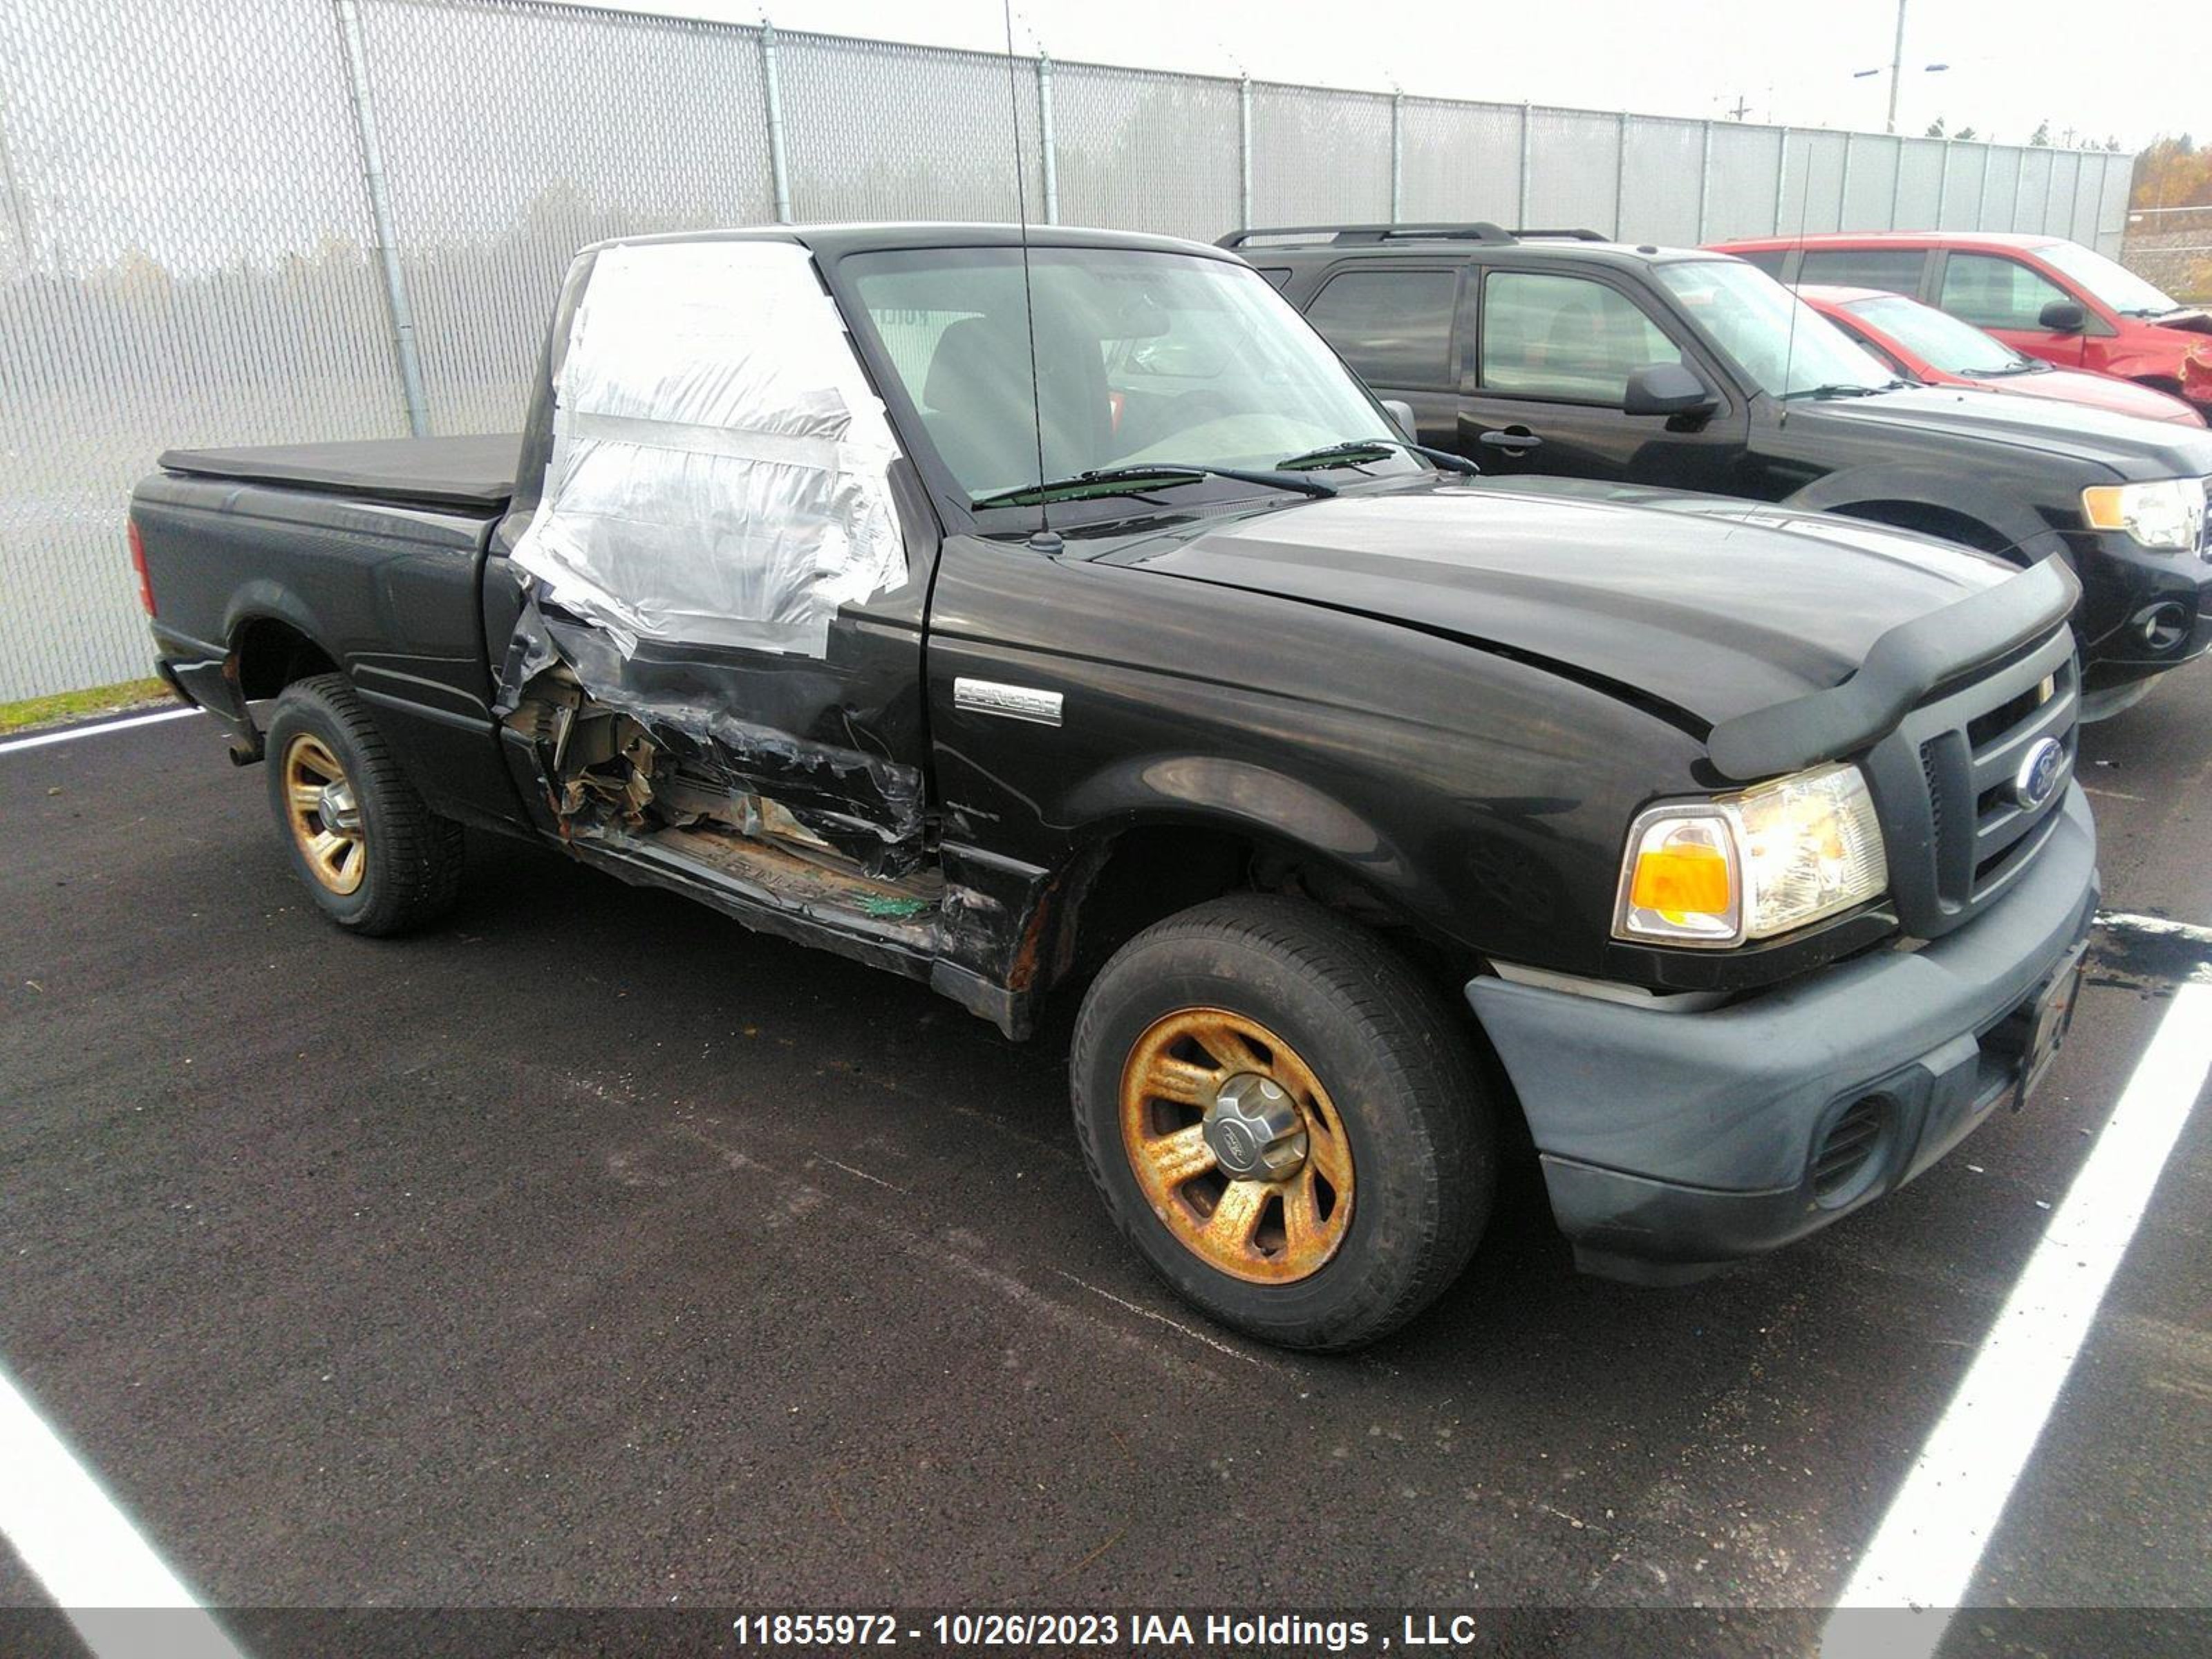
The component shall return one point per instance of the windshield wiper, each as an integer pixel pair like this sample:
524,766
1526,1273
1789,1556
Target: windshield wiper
1844,389
1136,480
1375,449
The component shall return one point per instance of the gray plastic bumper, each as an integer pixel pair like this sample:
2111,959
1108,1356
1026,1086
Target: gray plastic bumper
1673,1142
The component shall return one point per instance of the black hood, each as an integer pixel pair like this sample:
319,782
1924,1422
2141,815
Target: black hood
2127,446
1717,608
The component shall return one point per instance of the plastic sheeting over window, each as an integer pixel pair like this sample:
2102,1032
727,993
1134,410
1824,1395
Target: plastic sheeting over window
719,464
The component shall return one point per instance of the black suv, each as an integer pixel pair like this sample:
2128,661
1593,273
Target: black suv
1558,353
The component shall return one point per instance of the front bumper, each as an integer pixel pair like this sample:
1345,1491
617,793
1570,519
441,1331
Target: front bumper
2142,612
1672,1143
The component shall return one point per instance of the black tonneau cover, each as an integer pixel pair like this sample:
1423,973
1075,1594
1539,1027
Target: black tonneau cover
473,474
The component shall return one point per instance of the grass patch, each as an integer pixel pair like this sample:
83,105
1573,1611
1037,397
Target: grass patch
66,706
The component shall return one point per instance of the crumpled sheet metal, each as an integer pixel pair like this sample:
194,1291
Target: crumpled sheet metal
720,468
794,743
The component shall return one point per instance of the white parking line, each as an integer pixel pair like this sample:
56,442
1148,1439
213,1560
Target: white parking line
85,1550
1923,1556
75,731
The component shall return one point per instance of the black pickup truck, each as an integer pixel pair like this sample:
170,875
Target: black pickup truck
1066,618
1557,353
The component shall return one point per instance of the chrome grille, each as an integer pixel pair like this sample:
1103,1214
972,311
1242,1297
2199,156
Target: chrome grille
1957,833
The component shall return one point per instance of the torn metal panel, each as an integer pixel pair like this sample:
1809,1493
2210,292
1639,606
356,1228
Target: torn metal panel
778,729
676,800
719,471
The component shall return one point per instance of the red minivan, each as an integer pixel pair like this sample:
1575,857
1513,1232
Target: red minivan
1924,344
2049,297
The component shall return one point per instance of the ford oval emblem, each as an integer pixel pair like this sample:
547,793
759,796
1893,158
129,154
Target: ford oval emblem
2040,769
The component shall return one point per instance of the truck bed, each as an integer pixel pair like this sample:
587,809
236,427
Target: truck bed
473,473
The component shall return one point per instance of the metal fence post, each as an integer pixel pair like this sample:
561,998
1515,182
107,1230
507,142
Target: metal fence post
1244,148
380,210
772,103
1047,148
2104,184
1521,201
1942,186
1982,201
1782,181
12,189
1397,156
2050,179
1896,186
2019,182
1705,183
1620,172
1844,186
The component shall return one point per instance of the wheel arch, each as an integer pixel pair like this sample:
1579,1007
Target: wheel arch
1222,827
1936,502
1948,523
270,652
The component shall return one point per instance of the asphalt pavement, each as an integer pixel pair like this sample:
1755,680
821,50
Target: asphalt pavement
591,1251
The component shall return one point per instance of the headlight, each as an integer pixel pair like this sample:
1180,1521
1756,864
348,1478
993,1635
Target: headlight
2167,514
1735,867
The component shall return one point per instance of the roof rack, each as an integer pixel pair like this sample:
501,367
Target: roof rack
1481,230
1478,230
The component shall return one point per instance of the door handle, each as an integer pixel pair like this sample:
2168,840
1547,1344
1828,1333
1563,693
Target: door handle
1524,439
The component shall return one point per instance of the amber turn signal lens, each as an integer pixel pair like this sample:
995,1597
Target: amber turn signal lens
1681,880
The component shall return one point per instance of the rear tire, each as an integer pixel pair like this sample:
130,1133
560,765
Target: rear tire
374,856
1223,999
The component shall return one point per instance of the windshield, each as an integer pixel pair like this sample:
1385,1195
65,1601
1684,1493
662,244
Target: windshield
1749,314
1938,339
1141,358
2107,280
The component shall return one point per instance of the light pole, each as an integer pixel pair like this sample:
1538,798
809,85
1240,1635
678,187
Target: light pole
1896,67
1896,74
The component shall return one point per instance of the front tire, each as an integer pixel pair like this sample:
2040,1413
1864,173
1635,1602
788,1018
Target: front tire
375,857
1286,1120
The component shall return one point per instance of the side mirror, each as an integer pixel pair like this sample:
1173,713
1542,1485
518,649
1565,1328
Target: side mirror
1665,389
2064,317
1401,417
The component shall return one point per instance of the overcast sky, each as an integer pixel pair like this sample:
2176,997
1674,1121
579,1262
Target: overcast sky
2129,69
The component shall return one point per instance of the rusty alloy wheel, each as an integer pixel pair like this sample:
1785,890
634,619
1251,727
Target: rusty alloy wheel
324,815
1236,1146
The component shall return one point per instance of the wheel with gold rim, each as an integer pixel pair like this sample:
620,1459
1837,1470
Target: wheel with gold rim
324,814
372,855
1236,1146
1285,1118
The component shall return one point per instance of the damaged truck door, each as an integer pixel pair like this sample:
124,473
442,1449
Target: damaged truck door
714,666
1030,613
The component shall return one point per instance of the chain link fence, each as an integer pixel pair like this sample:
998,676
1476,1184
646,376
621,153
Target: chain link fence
229,222
2172,247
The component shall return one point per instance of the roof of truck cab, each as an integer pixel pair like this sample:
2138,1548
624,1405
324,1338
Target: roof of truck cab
835,242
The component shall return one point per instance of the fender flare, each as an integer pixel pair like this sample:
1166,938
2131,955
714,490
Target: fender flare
262,599
1210,792
2014,522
